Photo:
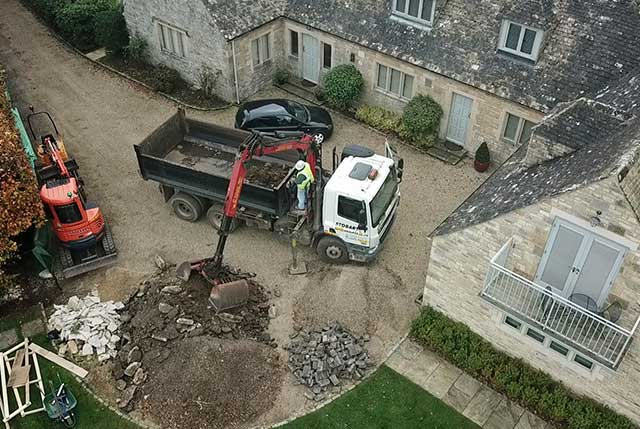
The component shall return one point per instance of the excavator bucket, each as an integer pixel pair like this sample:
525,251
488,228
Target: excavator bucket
228,295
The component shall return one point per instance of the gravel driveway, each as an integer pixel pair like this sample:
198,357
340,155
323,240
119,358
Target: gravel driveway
102,116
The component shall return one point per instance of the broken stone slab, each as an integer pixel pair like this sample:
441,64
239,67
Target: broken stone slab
132,368
87,350
172,290
127,396
72,347
226,329
62,350
184,321
121,385
159,338
273,312
139,377
164,308
160,262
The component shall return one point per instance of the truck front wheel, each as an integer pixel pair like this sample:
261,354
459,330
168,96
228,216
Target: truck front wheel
332,250
186,207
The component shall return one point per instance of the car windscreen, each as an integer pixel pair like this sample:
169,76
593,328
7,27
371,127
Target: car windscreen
383,198
69,213
298,110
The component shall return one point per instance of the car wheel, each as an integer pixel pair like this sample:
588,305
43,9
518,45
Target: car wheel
318,138
332,250
186,207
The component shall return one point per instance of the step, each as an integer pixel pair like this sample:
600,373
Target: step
445,155
299,91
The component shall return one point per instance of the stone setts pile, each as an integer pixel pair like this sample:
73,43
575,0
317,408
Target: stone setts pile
87,326
320,358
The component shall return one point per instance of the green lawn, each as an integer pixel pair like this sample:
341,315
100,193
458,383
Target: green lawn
385,400
91,414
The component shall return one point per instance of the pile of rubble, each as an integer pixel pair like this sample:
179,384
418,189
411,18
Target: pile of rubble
87,326
165,311
320,358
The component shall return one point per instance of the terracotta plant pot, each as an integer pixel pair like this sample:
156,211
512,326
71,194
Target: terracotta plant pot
481,167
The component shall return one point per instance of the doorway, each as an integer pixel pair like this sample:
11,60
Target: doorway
459,118
310,58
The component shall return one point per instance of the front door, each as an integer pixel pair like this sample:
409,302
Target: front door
459,118
310,58
577,261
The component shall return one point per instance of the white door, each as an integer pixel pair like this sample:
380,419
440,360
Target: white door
459,118
577,261
310,58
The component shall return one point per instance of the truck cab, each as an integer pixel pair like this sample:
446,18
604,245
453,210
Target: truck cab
359,206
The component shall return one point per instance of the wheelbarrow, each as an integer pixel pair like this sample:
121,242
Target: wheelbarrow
59,404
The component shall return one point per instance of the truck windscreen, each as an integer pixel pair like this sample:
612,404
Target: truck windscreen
383,198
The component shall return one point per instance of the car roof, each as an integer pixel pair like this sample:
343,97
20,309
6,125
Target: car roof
261,108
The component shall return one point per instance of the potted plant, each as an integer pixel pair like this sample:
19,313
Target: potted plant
483,158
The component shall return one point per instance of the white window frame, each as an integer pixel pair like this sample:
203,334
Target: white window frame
177,37
261,55
537,43
387,89
413,19
520,129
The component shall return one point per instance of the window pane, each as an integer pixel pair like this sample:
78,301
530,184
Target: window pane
350,209
68,213
293,42
526,131
535,335
512,322
407,90
265,48
326,57
559,348
255,52
427,7
513,37
414,7
163,37
401,5
382,76
171,35
583,361
395,82
180,43
511,128
527,41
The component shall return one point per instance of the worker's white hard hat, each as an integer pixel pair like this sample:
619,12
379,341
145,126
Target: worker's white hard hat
299,165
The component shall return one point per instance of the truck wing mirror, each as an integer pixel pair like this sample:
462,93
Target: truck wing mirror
400,169
362,220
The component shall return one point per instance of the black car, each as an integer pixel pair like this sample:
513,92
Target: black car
282,117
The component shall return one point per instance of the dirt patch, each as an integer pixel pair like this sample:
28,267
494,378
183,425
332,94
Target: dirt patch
213,383
183,365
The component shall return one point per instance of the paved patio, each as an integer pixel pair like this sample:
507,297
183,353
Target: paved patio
474,400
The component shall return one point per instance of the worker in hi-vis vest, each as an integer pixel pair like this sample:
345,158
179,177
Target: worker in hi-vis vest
304,179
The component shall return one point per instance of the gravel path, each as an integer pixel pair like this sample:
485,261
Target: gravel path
102,116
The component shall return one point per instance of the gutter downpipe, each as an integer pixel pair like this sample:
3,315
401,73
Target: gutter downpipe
235,70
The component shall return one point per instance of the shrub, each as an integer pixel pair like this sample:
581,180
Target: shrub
47,9
482,153
421,118
379,118
530,387
320,94
111,30
75,20
281,76
208,79
343,85
164,79
137,50
20,205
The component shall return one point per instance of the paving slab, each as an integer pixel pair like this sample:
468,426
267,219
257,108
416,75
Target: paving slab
32,328
529,420
468,385
505,415
410,349
457,399
441,380
482,405
8,338
412,369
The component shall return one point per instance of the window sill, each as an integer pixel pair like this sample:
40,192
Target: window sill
392,95
422,25
294,57
513,56
172,55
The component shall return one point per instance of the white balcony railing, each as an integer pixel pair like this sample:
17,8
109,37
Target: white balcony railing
588,332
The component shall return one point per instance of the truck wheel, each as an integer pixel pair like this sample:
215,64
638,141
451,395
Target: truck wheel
186,207
332,250
107,242
215,215
66,258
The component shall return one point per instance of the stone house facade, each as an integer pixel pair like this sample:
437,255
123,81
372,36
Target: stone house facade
494,77
543,259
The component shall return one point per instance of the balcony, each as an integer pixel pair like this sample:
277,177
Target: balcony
587,332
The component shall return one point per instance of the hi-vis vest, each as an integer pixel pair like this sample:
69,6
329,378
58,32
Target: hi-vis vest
308,177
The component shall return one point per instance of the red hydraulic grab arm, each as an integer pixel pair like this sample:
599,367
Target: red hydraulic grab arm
54,152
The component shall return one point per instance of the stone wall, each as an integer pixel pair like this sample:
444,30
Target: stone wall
631,185
459,263
204,44
489,112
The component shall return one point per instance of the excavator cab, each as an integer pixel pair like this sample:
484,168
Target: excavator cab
84,240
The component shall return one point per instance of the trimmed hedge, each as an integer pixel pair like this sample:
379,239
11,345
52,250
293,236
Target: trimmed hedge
75,20
111,30
523,384
343,85
391,122
421,117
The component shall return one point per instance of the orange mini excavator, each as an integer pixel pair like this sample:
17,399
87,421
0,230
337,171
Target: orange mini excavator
84,241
